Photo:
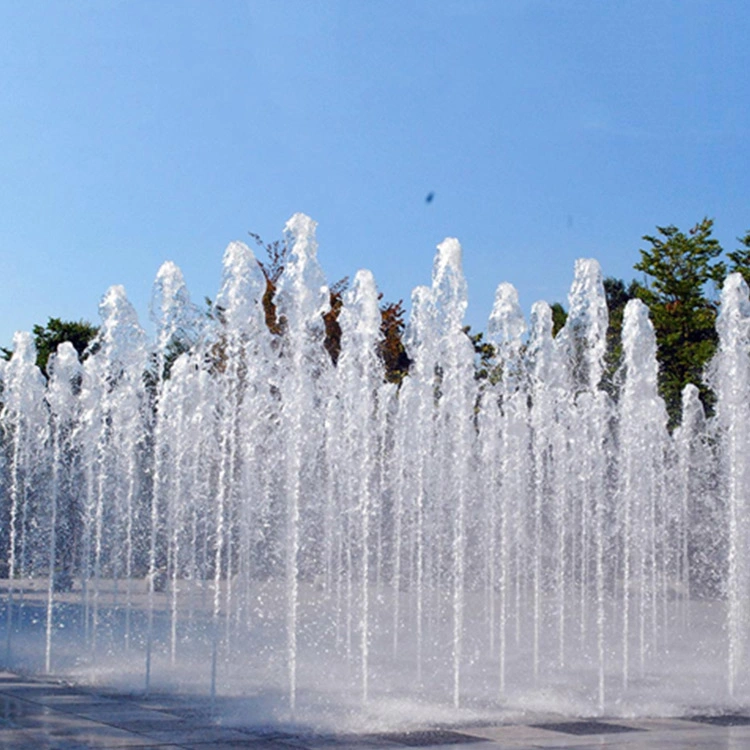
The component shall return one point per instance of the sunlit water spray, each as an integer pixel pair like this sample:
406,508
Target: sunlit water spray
225,510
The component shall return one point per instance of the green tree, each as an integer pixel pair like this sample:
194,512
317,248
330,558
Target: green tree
47,338
741,258
485,366
678,267
618,295
559,316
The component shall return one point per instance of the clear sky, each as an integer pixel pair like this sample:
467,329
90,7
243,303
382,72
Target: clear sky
136,132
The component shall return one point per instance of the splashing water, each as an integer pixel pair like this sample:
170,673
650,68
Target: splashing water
225,511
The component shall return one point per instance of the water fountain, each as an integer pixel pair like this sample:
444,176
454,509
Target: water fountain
248,518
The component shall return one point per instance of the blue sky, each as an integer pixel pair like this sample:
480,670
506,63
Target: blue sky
137,132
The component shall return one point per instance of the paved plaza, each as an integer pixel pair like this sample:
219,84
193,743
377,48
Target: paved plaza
46,715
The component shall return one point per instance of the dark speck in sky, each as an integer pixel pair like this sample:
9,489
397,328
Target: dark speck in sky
430,197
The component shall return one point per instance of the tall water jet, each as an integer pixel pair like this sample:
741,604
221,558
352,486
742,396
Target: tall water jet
25,431
581,345
65,381
176,320
414,434
112,428
504,417
701,545
303,298
455,403
644,442
732,379
361,385
239,350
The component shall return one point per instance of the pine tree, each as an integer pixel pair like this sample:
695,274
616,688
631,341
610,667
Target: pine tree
47,338
680,266
741,258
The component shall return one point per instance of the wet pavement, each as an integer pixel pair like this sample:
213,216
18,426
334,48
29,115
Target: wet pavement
46,715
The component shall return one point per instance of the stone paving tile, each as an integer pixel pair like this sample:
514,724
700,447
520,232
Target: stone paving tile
585,728
58,723
100,737
658,724
506,733
340,742
165,705
70,701
12,708
194,713
147,727
369,741
197,735
430,738
522,736
32,692
125,710
249,744
723,720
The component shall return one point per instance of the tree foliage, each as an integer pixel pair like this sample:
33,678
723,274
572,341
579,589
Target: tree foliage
741,258
332,340
390,347
277,253
559,316
486,366
678,268
47,338
617,295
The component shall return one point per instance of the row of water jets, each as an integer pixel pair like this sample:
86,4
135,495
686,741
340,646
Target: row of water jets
269,518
